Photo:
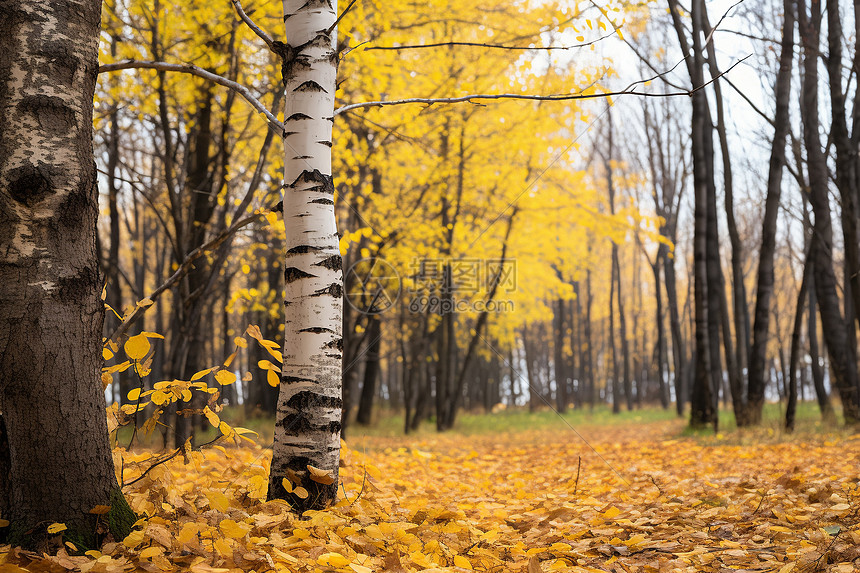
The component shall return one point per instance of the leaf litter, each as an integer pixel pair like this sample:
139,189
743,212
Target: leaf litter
535,501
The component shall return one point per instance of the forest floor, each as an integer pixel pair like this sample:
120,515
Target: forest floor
639,496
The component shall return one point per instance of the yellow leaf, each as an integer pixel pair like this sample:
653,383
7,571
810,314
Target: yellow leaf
240,342
301,492
462,562
188,532
360,568
56,528
243,431
159,398
611,512
218,501
254,332
273,379
107,354
333,560
100,510
150,552
223,547
137,347
225,429
230,360
4,523
133,539
320,476
211,416
232,529
201,374
134,394
225,377
288,485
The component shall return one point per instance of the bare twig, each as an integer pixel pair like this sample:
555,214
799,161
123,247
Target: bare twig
714,29
493,46
578,467
551,97
339,18
155,464
181,272
256,29
200,72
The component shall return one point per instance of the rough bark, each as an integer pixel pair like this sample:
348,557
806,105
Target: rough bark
765,277
736,354
847,172
307,426
843,363
705,381
51,316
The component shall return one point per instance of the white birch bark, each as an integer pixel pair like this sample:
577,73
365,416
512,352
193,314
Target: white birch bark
307,428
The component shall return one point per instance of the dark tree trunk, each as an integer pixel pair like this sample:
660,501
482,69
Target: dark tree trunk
735,359
678,347
50,386
791,406
842,359
847,161
821,395
371,371
765,280
660,345
559,329
587,350
705,240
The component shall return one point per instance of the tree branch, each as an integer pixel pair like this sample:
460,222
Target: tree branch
181,272
201,73
551,97
256,29
495,46
339,18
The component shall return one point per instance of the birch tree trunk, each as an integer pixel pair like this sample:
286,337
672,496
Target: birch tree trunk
307,427
57,461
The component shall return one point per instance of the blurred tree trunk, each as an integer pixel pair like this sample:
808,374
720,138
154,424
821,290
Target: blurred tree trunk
735,357
765,278
842,359
371,371
802,296
559,339
51,396
706,382
847,172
